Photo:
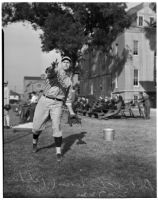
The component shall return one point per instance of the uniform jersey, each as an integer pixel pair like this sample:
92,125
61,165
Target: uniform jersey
57,86
6,95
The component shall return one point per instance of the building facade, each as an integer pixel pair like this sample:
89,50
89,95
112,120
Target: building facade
131,68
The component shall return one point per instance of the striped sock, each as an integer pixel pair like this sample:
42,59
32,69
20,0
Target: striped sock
58,150
35,138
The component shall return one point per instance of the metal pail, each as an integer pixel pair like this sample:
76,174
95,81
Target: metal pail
109,134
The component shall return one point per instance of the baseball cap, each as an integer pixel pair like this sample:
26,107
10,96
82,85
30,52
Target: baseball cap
66,58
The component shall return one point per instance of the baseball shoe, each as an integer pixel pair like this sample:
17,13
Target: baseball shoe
59,157
34,148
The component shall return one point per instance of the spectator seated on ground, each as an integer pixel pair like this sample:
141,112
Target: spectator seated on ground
84,105
78,104
97,107
113,112
105,105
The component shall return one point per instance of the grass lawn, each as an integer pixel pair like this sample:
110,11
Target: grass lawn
91,167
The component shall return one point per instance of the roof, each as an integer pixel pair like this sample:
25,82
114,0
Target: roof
135,9
32,78
148,86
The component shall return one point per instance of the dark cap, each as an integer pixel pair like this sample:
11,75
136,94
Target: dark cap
66,58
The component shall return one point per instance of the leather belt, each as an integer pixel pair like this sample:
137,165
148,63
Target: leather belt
53,98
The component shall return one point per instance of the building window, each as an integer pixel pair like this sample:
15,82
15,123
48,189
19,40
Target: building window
135,47
116,80
116,49
155,67
92,89
136,78
151,20
140,21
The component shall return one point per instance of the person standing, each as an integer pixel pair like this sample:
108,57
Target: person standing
146,104
32,106
6,105
56,92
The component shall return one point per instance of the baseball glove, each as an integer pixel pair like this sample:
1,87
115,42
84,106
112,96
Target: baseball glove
7,107
73,119
50,71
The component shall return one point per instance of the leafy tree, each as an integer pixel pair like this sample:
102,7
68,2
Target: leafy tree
67,26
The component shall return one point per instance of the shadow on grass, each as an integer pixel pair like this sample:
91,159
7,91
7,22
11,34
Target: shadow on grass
68,142
124,117
16,138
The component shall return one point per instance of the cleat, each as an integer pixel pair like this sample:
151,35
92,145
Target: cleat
59,157
34,148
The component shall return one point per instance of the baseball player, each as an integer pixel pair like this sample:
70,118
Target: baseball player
57,90
146,104
6,105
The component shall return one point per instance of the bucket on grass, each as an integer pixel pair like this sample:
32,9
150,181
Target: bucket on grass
109,134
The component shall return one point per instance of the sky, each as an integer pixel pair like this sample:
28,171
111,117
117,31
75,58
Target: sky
23,55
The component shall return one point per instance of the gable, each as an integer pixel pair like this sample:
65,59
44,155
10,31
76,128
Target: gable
146,11
142,14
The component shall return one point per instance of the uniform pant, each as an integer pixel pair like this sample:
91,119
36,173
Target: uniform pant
48,108
6,118
147,109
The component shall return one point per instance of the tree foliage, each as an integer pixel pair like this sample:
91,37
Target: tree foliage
67,26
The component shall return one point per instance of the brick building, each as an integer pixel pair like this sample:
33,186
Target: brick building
131,68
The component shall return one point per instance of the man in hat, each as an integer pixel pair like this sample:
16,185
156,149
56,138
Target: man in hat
146,104
56,92
6,105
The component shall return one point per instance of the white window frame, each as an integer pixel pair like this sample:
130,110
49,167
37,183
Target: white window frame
155,71
152,18
137,78
116,49
116,80
92,89
142,20
135,48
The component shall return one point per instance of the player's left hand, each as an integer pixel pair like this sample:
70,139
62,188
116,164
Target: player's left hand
74,119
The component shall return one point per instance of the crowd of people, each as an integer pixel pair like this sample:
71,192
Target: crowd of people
111,106
92,105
